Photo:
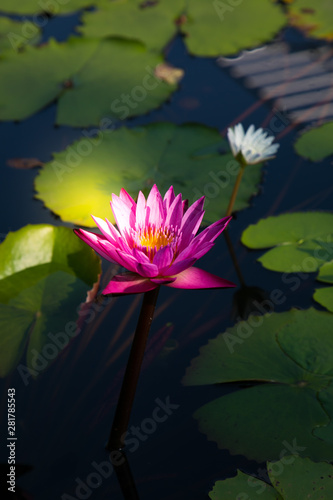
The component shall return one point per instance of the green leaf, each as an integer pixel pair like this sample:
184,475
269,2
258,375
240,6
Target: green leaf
315,18
300,478
243,487
45,273
324,296
53,7
93,80
289,351
304,241
75,186
154,25
316,144
219,28
326,398
15,34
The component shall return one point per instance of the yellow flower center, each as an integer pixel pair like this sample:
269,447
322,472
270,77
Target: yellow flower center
155,238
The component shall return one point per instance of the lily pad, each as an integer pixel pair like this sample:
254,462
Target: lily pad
292,478
74,185
324,296
316,144
53,7
16,34
223,28
92,80
300,478
45,273
262,421
303,241
243,487
315,18
152,23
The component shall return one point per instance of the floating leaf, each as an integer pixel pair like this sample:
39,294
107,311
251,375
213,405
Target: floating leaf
92,80
222,28
289,351
243,487
316,144
292,478
303,241
80,180
325,295
16,34
300,478
152,23
316,18
45,273
53,7
326,398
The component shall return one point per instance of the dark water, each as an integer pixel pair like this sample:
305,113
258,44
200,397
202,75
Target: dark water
64,416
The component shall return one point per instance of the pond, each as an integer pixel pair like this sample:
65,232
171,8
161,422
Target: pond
262,391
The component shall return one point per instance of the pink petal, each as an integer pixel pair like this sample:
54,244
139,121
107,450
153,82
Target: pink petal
194,251
213,231
177,267
140,215
198,279
94,241
175,212
147,270
191,222
123,213
163,257
127,198
155,207
111,234
168,198
185,205
128,283
162,281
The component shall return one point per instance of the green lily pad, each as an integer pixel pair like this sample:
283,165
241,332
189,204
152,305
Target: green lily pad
315,18
53,7
16,34
74,185
297,478
45,273
93,80
243,487
150,23
326,398
303,241
316,144
223,28
289,351
324,296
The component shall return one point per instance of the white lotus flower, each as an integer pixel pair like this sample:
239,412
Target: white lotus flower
251,147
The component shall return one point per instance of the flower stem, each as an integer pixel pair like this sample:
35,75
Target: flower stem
235,190
128,388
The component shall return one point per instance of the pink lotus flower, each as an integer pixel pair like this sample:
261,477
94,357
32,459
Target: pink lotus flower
156,242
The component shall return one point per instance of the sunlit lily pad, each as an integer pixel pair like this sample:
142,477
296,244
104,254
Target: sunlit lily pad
50,6
76,185
152,23
303,241
261,421
15,34
243,487
222,28
45,273
315,18
92,80
316,144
